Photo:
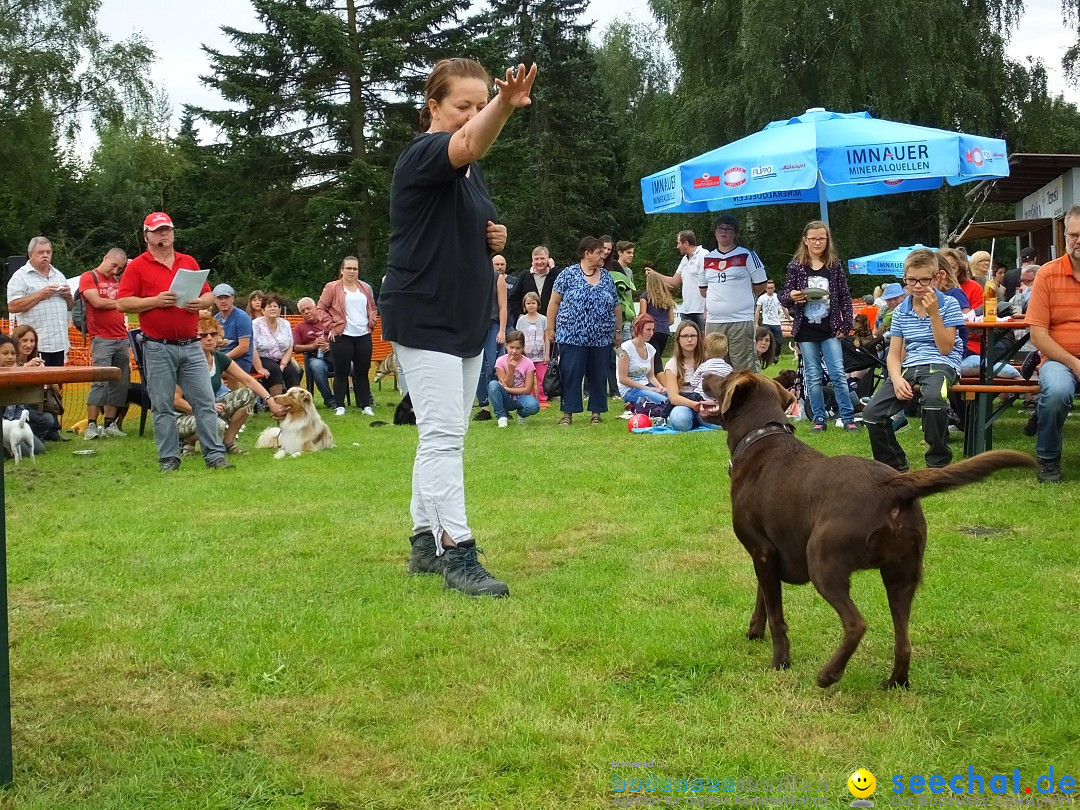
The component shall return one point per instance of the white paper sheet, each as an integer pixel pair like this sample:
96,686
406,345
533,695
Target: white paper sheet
187,284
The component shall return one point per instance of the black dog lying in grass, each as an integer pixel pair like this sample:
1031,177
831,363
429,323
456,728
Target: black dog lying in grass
838,515
403,414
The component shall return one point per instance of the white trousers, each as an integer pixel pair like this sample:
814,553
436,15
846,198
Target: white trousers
442,387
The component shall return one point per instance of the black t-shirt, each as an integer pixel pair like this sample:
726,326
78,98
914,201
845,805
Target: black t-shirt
438,292
815,323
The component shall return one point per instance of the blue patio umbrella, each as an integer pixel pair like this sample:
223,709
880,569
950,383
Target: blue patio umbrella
886,263
823,157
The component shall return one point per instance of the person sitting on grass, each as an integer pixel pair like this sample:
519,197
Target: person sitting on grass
688,355
233,408
925,350
716,349
514,386
8,354
764,346
637,380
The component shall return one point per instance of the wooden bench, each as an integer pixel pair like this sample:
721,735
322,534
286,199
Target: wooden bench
980,413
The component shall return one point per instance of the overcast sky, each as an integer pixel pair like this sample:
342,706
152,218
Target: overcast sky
177,30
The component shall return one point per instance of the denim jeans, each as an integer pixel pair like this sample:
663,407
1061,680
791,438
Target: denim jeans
167,367
487,369
503,402
683,419
442,387
318,371
634,395
970,364
1058,389
830,350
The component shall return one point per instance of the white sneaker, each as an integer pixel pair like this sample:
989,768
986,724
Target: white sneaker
626,414
339,412
503,421
113,432
91,432
368,411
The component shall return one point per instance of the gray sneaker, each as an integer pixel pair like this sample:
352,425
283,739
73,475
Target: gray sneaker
219,463
92,431
465,573
423,559
171,464
1049,471
113,432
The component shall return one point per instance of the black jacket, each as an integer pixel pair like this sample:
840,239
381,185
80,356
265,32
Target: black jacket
526,284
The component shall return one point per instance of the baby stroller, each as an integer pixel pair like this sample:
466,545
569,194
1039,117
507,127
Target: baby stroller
863,358
855,359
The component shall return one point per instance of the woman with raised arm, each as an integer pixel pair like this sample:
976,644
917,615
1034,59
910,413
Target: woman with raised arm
436,299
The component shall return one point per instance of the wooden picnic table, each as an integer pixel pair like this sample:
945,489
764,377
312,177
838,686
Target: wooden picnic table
980,394
26,386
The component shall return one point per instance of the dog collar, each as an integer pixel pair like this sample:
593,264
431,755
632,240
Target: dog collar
769,429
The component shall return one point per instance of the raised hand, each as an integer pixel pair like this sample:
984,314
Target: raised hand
515,89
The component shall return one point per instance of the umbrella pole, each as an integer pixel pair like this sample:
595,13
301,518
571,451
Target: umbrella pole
823,204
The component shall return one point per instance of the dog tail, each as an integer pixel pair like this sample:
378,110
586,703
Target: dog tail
912,485
269,439
24,417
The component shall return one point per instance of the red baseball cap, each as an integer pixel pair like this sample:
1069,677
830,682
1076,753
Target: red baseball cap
157,220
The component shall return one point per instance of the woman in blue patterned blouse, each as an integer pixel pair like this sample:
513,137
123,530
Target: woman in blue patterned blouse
583,318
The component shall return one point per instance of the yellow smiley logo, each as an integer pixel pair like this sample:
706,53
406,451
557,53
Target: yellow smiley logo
862,784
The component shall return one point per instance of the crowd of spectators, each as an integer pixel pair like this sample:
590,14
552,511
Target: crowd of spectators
589,317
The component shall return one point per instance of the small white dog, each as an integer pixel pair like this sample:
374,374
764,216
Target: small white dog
17,436
302,430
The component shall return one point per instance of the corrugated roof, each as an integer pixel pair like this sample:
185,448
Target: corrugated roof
1028,172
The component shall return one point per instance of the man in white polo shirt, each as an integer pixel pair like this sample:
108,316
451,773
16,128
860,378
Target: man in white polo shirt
39,295
734,278
691,275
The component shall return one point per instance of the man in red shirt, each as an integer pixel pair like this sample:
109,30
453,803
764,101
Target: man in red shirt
107,328
309,338
171,351
1053,314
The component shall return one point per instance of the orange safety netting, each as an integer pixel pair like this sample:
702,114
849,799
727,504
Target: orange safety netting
75,394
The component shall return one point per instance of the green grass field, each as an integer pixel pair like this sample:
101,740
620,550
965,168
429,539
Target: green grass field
249,638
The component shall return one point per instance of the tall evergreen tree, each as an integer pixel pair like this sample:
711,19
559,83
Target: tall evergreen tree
314,95
552,172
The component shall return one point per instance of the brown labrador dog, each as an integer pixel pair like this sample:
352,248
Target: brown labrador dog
840,514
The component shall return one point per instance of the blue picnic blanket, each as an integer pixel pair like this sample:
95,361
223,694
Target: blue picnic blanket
671,430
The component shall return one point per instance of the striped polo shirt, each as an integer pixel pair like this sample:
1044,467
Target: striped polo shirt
918,335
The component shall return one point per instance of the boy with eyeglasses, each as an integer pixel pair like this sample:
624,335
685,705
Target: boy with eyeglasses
925,350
